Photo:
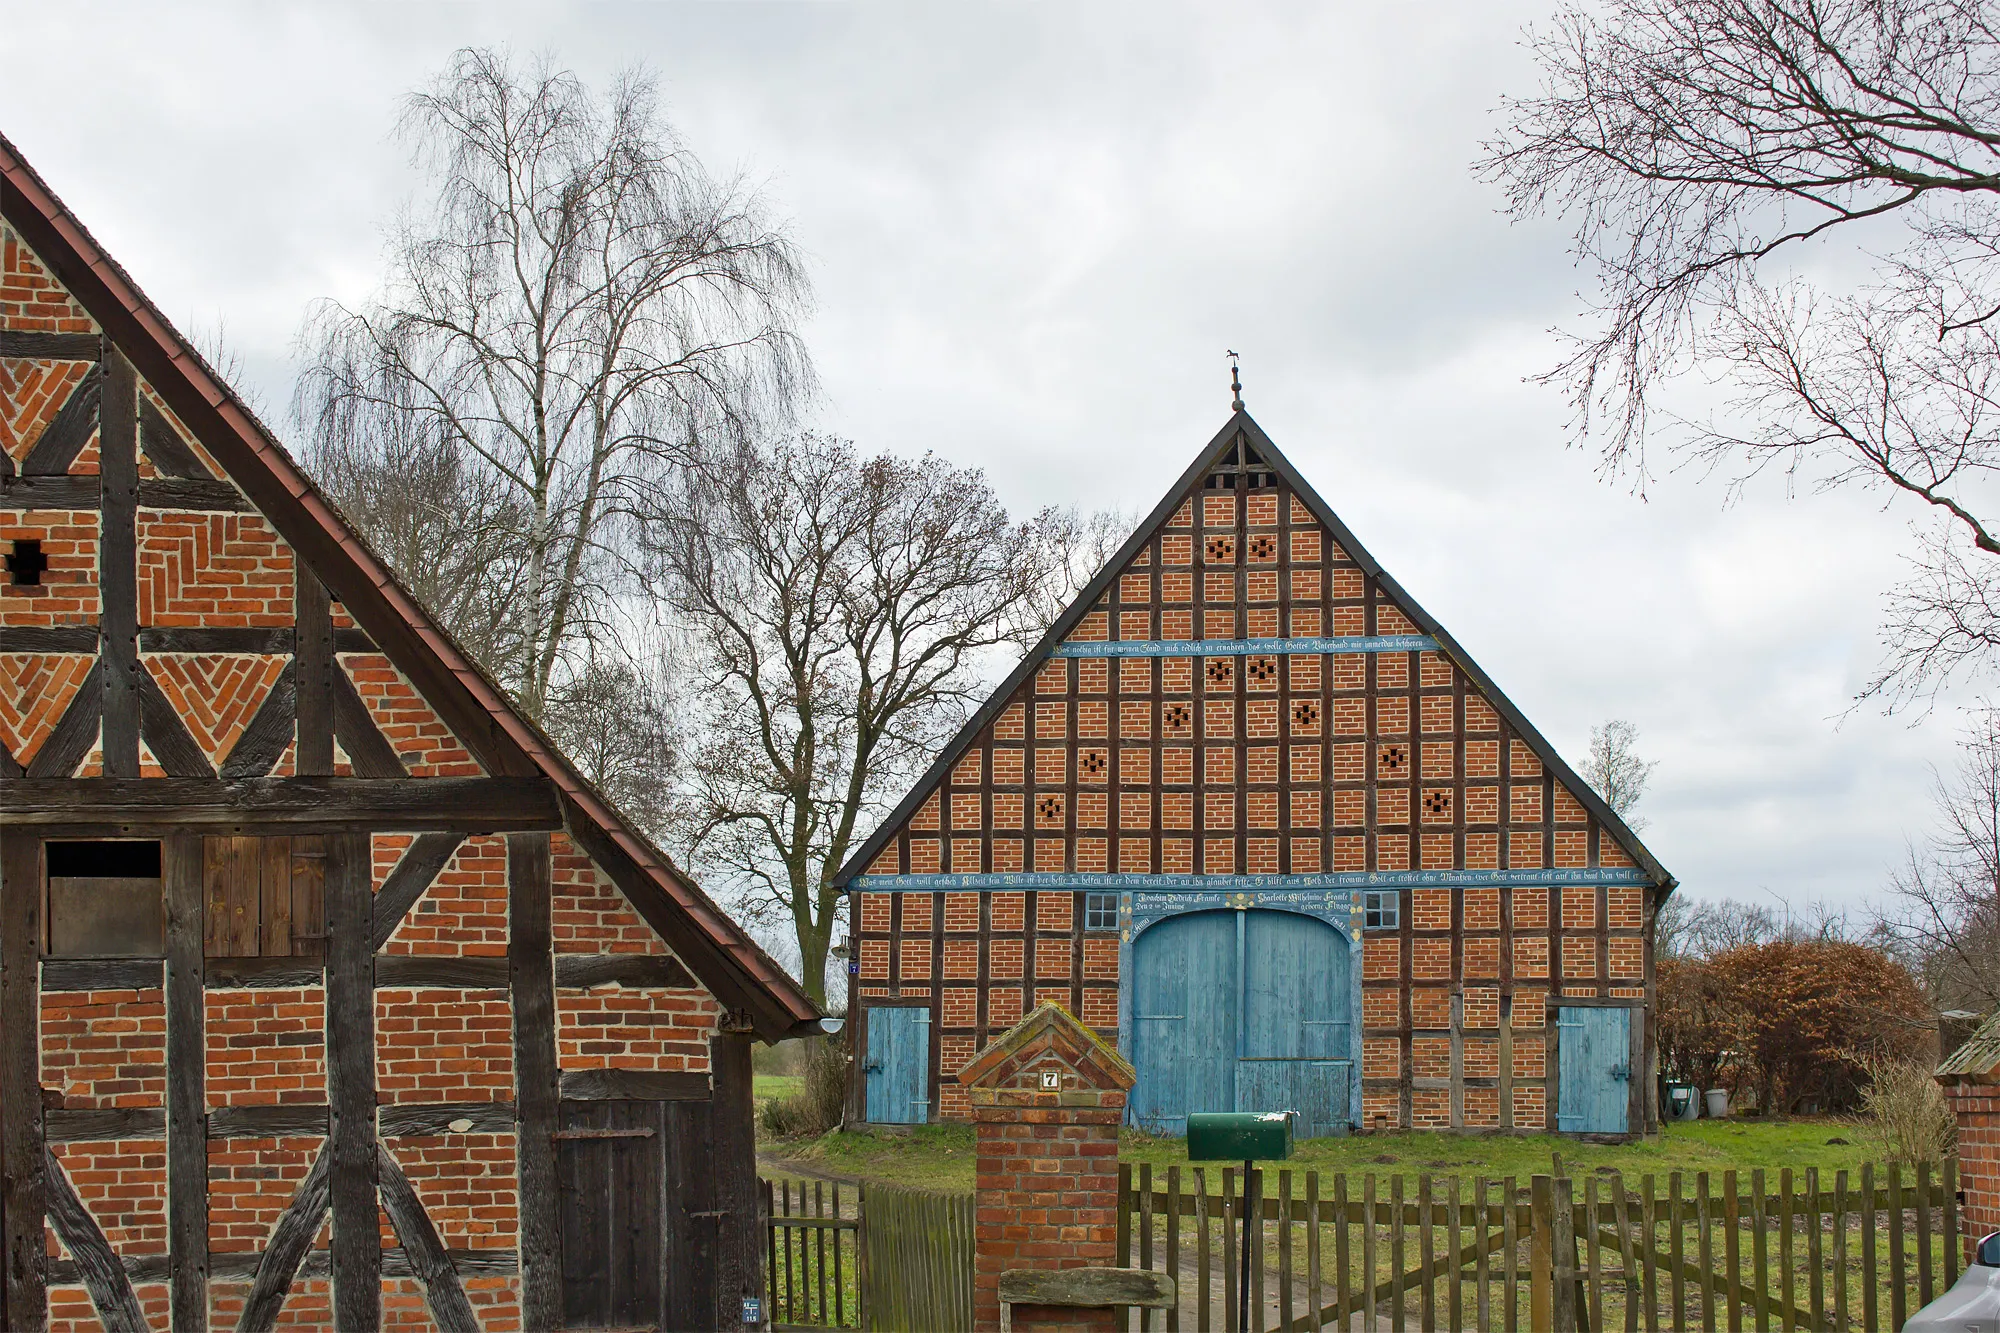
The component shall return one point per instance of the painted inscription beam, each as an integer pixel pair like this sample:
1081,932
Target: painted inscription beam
1356,879
1372,643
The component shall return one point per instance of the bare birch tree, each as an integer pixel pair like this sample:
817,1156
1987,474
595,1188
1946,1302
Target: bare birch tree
840,616
1947,892
1615,769
575,312
1703,148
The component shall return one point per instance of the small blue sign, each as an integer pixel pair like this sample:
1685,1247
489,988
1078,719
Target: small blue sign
854,967
753,1309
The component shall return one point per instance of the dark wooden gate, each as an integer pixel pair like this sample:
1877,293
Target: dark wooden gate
637,1215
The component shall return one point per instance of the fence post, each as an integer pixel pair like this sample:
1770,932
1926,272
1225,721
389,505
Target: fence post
1541,1243
1047,1099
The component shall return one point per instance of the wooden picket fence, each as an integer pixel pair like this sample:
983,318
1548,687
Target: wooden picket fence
1556,1253
877,1257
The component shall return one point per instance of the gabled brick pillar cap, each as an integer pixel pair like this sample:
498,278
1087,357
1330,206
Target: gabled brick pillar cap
1978,1061
1091,1072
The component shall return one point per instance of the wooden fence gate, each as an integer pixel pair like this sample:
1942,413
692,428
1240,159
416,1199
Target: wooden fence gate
1558,1253
877,1257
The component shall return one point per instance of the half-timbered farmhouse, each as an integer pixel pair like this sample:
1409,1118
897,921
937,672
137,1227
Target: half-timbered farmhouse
1250,809
330,995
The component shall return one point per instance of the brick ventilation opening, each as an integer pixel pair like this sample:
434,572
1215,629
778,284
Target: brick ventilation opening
26,563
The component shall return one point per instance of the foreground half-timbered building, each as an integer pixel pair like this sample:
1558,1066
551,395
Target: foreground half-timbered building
330,995
1248,809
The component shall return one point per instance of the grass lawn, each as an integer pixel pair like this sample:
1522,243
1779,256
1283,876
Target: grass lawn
766,1086
940,1157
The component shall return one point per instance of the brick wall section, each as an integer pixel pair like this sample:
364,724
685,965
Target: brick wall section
590,915
212,569
266,1047
31,394
1977,1106
30,298
250,1184
124,1185
67,594
464,912
105,1048
443,1046
70,1310
610,1027
419,737
215,694
308,1307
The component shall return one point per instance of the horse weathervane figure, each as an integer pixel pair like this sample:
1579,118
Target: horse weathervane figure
1235,385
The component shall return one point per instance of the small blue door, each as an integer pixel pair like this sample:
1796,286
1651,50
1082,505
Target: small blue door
898,1068
1241,1011
1594,1084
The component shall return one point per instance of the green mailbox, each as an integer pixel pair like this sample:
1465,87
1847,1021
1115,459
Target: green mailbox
1239,1136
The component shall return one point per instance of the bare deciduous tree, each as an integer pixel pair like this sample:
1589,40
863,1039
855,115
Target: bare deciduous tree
577,311
1948,890
1615,769
840,616
1698,145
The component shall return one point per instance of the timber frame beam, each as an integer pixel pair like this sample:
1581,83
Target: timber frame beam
286,805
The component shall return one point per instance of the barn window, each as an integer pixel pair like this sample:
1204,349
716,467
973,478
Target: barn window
106,900
1100,911
1381,909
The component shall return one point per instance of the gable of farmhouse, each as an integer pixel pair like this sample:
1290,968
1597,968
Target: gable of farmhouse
1245,715
294,902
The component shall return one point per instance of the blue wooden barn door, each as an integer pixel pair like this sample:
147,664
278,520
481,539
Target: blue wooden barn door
1295,1043
1241,1011
1594,1085
1184,1020
898,1069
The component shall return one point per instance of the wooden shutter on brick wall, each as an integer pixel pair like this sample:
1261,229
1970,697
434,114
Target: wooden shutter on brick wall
266,897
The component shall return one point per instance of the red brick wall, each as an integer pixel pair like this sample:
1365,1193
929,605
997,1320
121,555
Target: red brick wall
105,1048
216,695
464,912
266,1047
67,594
1977,1107
420,738
124,1185
212,569
30,298
590,915
443,1046
610,1027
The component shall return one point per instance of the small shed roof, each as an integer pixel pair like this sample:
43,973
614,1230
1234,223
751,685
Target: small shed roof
1978,1060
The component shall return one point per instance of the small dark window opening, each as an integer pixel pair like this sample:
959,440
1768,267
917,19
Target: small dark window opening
1100,911
26,563
1221,481
1250,458
1382,909
106,900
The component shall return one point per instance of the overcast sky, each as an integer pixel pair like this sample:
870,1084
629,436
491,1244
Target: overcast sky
1033,230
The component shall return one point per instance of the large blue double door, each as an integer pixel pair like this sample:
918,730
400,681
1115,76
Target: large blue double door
1242,1011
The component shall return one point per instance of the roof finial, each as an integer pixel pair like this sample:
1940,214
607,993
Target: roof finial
1235,385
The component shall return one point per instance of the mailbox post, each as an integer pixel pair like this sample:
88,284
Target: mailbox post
1249,1137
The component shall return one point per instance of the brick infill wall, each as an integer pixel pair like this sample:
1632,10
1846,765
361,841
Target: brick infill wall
1047,1162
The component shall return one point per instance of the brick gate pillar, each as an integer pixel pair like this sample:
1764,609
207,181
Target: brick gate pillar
1971,1079
1047,1099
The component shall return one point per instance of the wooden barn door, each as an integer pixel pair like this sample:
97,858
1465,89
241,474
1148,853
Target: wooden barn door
637,1215
897,1072
1241,1011
1296,1028
1184,1027
1594,1055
